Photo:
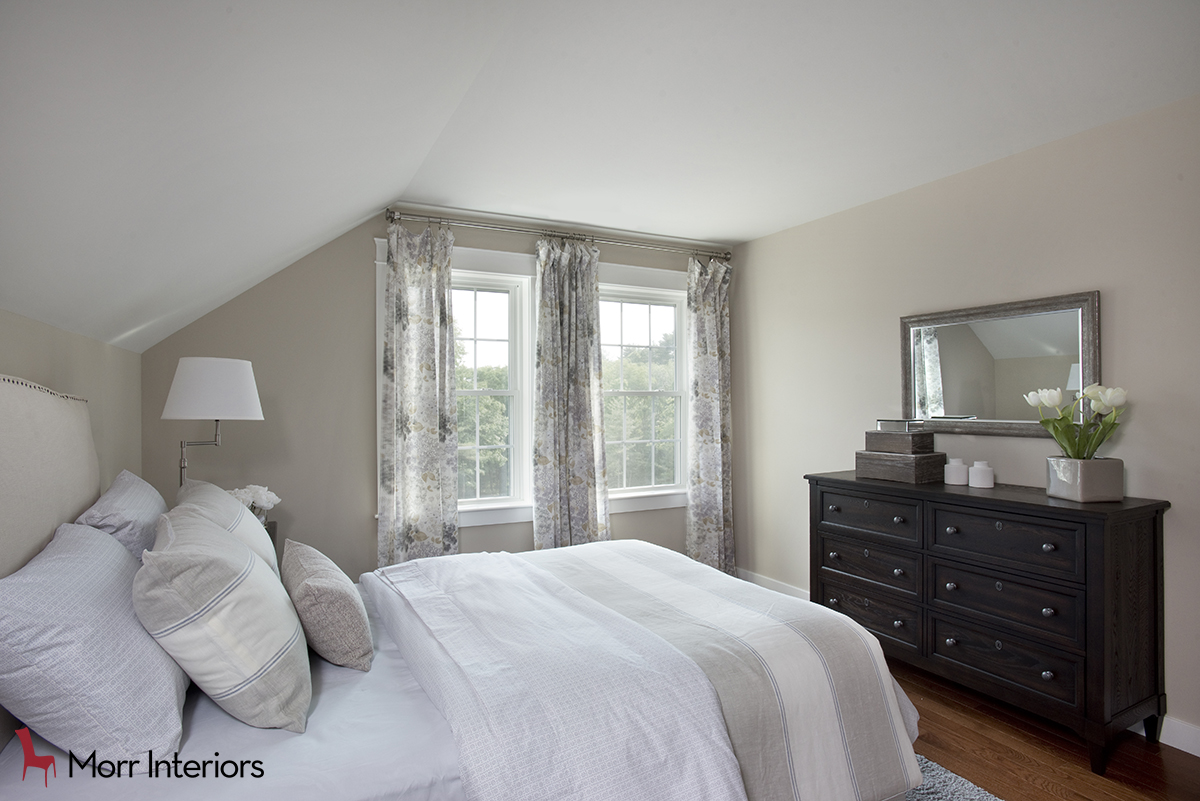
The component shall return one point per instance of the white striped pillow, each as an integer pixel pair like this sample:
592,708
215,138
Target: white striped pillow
211,603
230,514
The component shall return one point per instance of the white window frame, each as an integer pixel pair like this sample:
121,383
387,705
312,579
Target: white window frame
520,382
491,269
661,496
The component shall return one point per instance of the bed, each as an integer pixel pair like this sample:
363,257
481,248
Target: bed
615,670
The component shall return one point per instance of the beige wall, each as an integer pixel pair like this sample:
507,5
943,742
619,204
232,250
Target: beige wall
310,332
816,325
109,377
1018,377
968,372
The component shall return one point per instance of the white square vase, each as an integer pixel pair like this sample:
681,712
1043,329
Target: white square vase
1085,480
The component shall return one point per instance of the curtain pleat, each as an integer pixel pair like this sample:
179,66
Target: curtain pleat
418,459
570,492
710,486
927,374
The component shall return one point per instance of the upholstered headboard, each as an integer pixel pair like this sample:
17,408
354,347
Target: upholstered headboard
49,474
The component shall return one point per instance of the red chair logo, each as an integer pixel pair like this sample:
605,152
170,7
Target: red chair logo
32,760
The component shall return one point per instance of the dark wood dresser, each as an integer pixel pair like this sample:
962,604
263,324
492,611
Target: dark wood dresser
1050,605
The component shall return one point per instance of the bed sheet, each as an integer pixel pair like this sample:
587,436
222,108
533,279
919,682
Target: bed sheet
373,735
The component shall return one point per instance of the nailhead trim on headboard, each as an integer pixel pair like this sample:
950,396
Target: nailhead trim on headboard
8,379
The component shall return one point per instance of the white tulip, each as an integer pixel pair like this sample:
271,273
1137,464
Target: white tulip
1033,399
1113,397
1100,407
1051,397
1092,391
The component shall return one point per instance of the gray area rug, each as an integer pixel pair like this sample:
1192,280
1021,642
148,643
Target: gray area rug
942,785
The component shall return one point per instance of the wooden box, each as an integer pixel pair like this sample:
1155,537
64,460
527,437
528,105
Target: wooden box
911,468
900,441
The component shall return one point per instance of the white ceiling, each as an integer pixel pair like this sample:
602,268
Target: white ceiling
1032,336
159,158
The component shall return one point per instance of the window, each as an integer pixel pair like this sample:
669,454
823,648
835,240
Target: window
482,353
642,322
642,388
491,386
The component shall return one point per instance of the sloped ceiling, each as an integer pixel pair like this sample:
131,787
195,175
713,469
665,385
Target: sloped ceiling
159,158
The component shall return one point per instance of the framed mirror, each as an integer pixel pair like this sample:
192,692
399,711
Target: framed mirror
966,371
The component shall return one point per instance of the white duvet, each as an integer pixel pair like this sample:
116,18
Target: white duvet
523,668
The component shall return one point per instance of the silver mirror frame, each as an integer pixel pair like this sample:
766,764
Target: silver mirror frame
1088,305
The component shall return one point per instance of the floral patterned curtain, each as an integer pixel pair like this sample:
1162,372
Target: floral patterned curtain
927,374
418,459
570,493
710,485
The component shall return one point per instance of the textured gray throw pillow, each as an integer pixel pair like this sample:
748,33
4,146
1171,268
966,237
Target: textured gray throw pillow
329,605
76,666
129,511
214,606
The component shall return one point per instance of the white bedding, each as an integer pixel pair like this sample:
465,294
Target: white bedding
551,696
379,728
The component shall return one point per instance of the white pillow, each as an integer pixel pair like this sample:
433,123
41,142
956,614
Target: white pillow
76,666
129,511
214,606
230,514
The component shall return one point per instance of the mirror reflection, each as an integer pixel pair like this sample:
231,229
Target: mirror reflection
984,368
966,371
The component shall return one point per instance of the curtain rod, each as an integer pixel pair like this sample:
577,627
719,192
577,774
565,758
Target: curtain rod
395,216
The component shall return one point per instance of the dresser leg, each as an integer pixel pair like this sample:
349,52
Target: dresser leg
1153,726
1098,753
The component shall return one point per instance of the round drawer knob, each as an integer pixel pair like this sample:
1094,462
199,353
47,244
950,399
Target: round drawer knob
834,555
951,529
950,585
833,602
898,520
834,508
950,641
1048,612
898,572
897,624
1049,547
1048,675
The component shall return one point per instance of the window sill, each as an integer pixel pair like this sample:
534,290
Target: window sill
646,501
494,515
617,504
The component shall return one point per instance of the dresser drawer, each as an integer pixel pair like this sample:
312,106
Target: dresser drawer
1048,547
897,569
882,615
1037,610
999,657
873,514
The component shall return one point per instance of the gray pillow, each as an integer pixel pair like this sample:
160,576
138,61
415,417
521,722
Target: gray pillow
214,606
329,605
128,511
76,666
230,514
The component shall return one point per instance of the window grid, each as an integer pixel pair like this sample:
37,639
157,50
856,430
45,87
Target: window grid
654,441
476,448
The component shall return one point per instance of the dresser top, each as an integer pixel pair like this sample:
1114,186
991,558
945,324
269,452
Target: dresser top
1001,494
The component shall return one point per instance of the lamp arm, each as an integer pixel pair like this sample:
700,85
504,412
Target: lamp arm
183,446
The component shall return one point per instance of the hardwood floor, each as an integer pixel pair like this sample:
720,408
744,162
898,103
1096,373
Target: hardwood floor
1018,757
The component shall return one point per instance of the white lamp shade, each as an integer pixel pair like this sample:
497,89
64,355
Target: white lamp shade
213,389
